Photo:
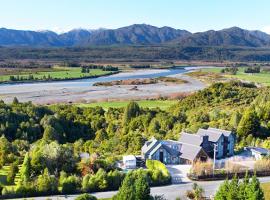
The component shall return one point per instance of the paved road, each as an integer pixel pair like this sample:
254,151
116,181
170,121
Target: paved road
170,192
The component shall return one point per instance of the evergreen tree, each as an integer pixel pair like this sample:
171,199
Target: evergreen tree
46,183
132,110
25,170
249,123
243,187
233,193
127,190
222,191
15,101
50,134
142,188
254,191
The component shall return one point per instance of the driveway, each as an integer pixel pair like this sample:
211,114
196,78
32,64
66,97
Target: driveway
179,173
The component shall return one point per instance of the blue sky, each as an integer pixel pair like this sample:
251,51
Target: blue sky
192,15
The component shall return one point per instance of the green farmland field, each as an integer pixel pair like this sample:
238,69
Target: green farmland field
56,73
143,103
262,78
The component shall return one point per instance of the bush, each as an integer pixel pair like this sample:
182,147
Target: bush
262,165
70,185
102,181
202,168
86,197
158,172
46,183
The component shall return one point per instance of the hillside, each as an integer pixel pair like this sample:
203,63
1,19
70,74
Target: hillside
137,34
227,37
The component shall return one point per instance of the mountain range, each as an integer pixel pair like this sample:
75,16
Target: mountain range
137,34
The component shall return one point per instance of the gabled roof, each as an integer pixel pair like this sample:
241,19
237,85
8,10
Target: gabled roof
149,145
193,139
189,151
224,132
171,151
213,135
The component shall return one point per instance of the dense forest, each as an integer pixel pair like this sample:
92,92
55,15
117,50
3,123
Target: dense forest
136,53
48,140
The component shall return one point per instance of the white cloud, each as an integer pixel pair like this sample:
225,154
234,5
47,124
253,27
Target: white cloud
266,29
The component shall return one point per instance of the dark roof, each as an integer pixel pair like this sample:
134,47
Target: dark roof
213,135
149,145
224,132
193,139
189,152
170,150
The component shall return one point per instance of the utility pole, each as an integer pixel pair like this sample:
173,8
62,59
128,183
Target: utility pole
214,163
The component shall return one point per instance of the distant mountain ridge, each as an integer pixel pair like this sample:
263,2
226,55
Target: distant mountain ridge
137,34
234,36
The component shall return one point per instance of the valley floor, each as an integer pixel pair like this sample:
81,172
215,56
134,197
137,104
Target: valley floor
48,93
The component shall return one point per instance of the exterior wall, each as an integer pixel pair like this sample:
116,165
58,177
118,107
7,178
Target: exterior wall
130,164
167,158
231,143
220,143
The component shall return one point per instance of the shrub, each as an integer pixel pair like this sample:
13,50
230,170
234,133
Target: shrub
234,168
158,172
70,185
47,183
262,165
202,168
86,197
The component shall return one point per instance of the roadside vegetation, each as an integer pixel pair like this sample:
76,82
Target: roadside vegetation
45,143
242,190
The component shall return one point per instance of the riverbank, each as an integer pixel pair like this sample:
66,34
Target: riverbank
82,91
144,81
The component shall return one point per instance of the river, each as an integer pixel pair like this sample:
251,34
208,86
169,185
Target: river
83,90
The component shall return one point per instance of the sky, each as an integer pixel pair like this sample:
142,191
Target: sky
191,15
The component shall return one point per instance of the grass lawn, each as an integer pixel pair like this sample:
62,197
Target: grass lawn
262,77
266,190
54,73
143,103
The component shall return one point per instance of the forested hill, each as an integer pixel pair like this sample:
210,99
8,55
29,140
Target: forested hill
136,34
231,106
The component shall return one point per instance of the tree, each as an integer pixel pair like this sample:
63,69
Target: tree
15,101
25,170
249,123
222,191
50,134
70,185
5,149
142,188
132,110
254,191
127,190
46,183
243,187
